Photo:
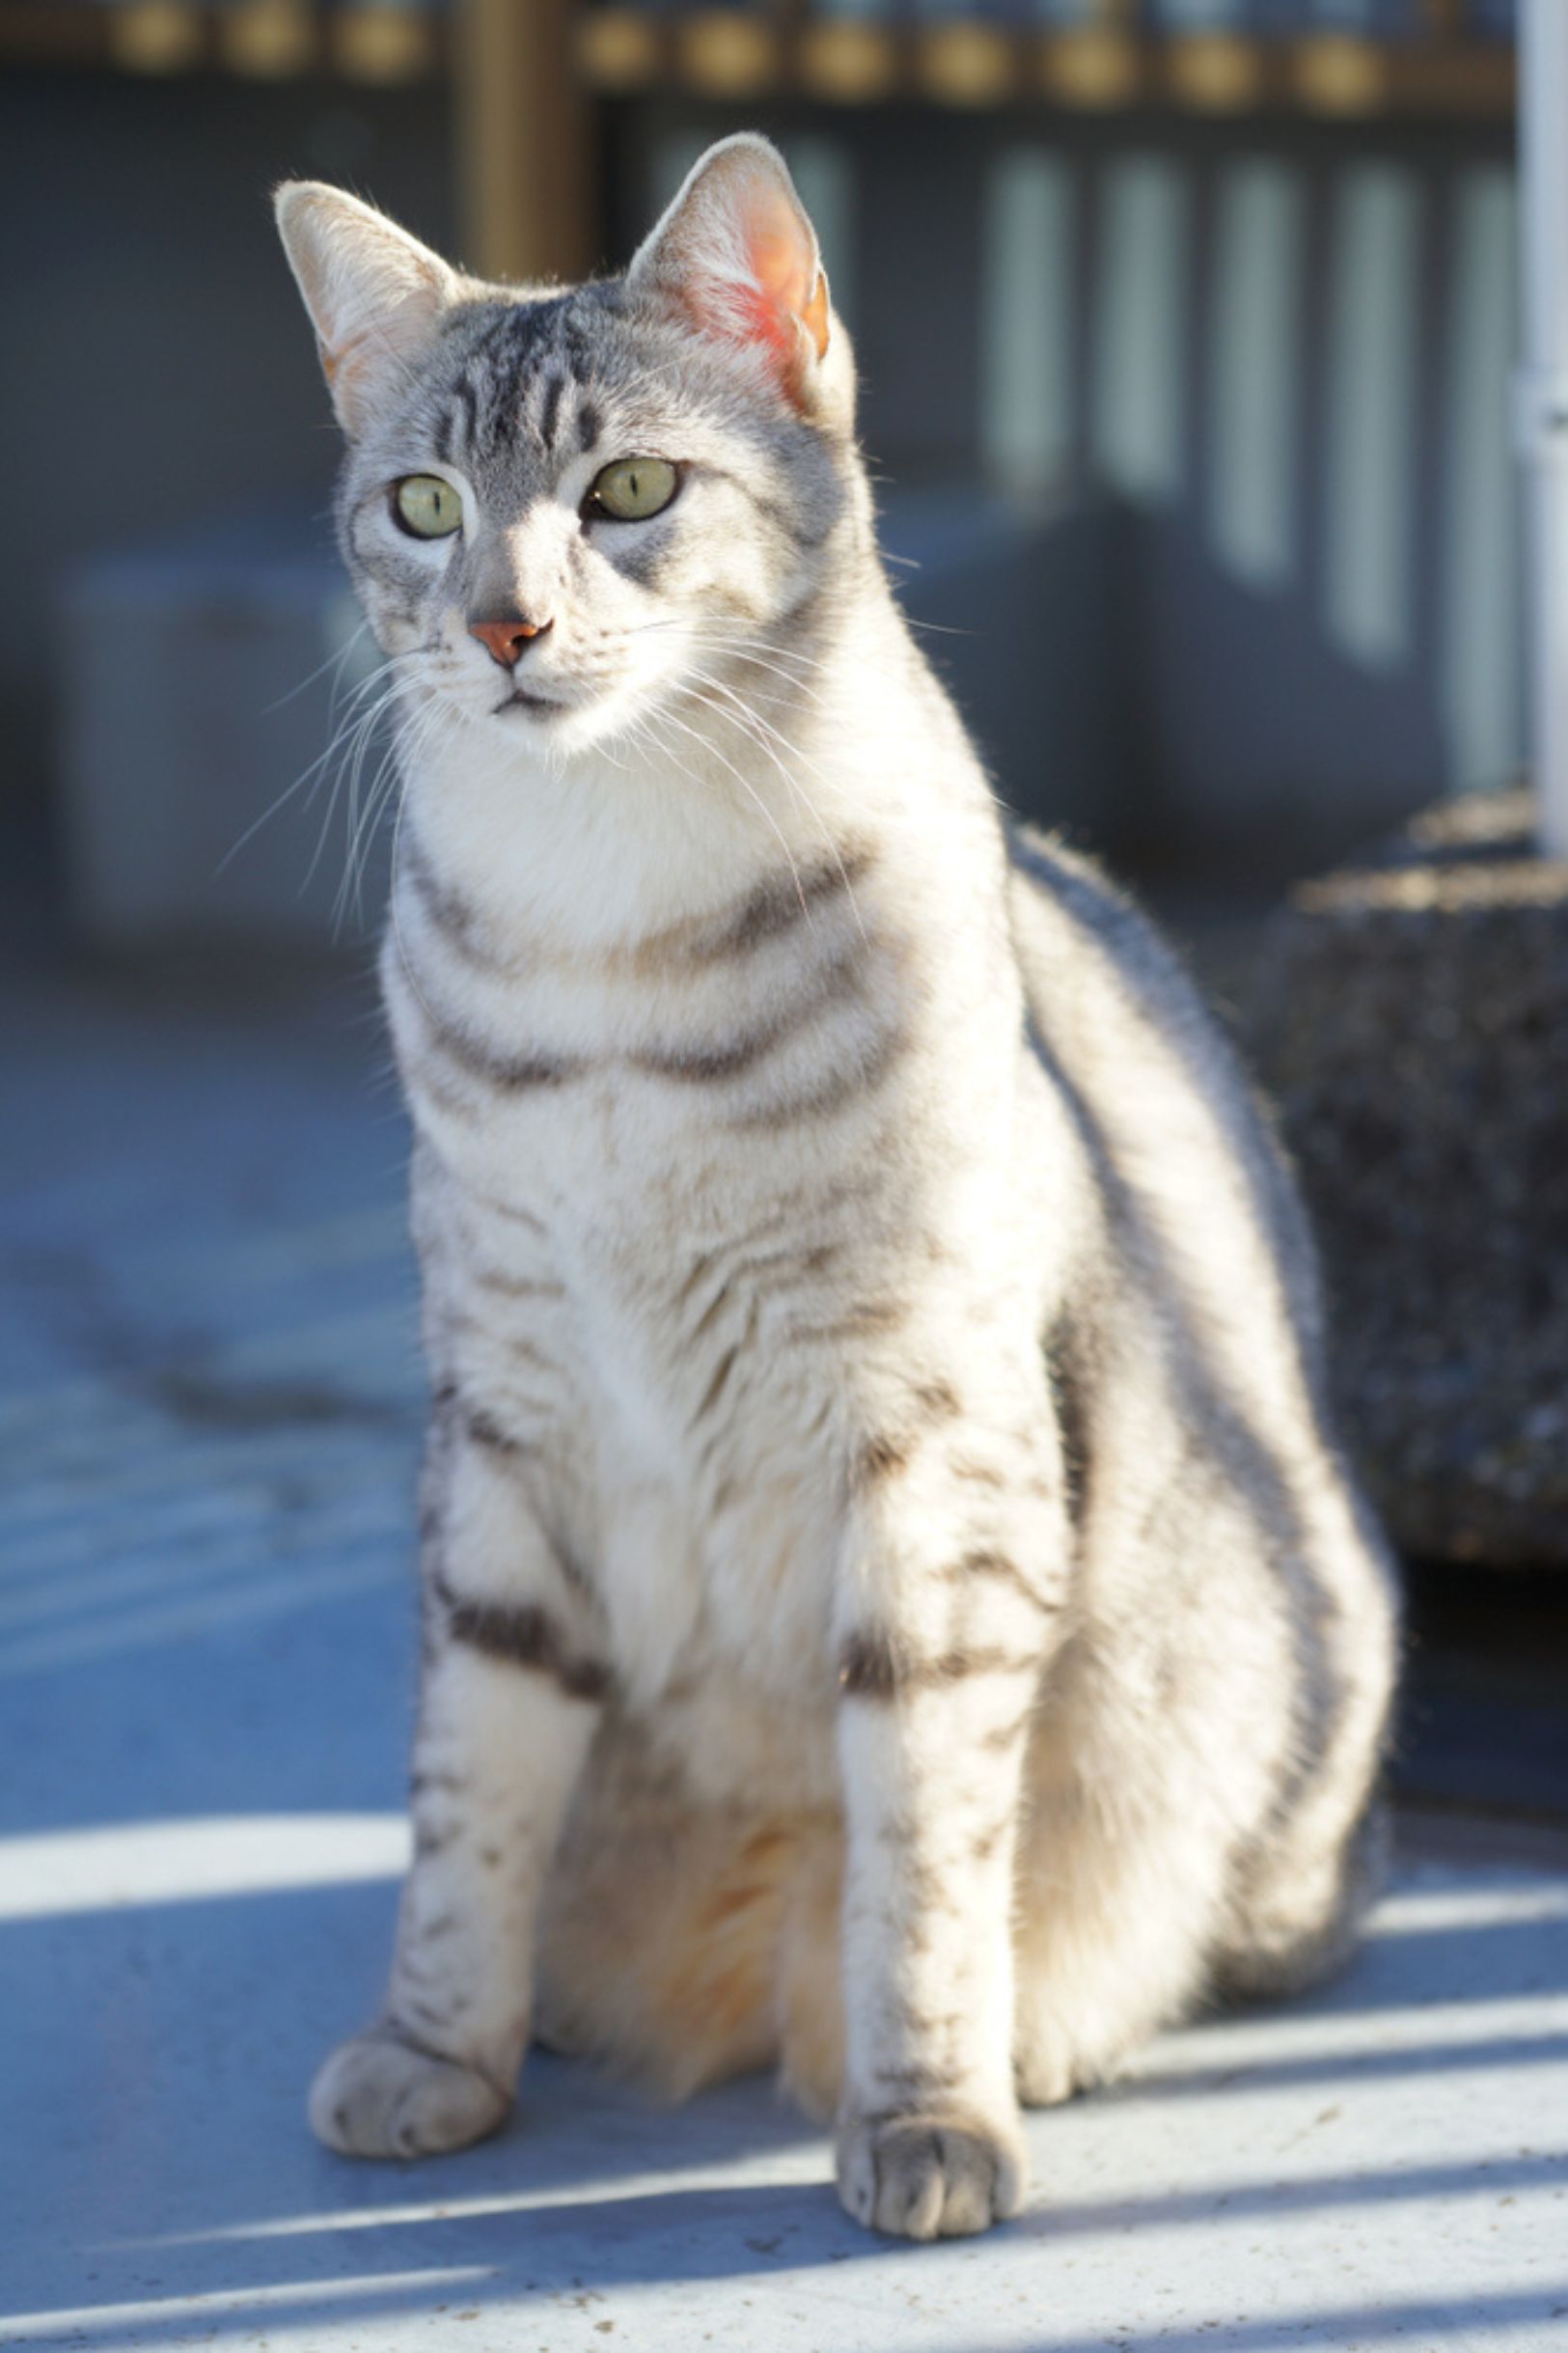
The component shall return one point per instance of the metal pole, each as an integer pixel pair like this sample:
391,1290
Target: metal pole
1542,402
524,134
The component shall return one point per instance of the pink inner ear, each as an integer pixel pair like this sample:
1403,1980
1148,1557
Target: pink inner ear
771,308
738,254
788,289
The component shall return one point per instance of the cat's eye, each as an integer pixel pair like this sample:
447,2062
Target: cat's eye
634,488
426,505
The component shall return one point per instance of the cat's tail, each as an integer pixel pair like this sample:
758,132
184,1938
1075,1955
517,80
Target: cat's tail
681,1946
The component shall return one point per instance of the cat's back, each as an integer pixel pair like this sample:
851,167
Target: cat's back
1192,1181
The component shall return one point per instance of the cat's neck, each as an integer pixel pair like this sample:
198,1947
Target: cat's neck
672,824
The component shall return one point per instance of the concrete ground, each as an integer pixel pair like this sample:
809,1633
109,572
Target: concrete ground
208,1398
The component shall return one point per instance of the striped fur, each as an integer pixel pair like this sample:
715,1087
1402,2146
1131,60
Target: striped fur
894,1606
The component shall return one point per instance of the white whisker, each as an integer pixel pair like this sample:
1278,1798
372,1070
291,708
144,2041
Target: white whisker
749,722
750,791
309,779
334,662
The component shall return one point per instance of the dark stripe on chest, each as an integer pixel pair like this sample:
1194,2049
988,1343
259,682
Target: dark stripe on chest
776,906
835,981
507,1073
834,1091
445,909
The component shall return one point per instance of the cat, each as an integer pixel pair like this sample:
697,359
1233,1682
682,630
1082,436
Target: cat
893,1606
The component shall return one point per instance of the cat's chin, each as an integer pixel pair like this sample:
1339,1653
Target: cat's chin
530,723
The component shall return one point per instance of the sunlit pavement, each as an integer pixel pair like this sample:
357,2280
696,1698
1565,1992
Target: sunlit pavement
208,1417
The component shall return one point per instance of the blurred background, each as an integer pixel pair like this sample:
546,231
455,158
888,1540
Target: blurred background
1186,330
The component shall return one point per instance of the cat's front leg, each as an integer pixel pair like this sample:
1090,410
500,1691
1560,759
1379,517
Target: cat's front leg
949,1609
511,1689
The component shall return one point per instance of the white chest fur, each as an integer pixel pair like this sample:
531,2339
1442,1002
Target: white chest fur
678,1153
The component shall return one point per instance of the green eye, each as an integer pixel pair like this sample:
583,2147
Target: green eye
634,488
428,507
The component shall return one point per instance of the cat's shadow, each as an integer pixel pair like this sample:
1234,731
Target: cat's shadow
171,2045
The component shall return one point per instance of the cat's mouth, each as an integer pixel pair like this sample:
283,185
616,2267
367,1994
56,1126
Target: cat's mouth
538,706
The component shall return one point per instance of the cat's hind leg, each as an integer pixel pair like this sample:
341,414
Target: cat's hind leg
1302,1890
1118,1897
1199,1821
1157,1747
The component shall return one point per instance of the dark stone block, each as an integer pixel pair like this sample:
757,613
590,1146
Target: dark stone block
1412,1022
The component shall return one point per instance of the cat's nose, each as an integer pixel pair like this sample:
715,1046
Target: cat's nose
503,640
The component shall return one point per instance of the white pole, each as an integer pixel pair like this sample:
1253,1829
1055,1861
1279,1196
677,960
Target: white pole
1543,405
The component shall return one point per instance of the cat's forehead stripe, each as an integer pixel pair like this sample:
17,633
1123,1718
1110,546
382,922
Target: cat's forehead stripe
554,384
518,371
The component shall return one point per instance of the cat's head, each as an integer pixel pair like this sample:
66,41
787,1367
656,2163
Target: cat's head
561,508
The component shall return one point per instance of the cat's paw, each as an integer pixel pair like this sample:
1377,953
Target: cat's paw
1047,2070
931,2176
377,2096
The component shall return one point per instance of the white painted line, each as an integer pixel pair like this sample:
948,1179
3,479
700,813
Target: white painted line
157,1863
1516,1897
233,1600
88,2319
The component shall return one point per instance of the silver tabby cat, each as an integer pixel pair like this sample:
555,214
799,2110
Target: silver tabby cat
893,1606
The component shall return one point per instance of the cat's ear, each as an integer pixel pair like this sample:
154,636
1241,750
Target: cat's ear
737,254
375,293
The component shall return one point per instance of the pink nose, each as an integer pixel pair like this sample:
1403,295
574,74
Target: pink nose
503,640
